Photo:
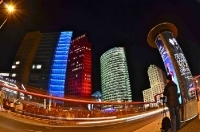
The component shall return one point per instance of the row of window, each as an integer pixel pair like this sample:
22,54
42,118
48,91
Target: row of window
57,86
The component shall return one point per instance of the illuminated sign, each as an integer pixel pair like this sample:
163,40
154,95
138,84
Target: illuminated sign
168,63
177,53
10,80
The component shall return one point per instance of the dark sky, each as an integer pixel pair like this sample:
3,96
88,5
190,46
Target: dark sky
107,23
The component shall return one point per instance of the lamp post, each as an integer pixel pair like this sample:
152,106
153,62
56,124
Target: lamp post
197,90
10,9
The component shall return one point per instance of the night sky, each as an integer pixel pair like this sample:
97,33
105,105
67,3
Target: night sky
107,24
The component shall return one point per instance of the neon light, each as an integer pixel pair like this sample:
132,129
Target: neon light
59,65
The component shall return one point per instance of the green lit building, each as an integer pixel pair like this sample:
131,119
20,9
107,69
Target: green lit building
115,82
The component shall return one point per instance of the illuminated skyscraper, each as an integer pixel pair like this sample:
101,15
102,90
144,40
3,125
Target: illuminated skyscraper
23,60
41,61
114,76
157,81
79,71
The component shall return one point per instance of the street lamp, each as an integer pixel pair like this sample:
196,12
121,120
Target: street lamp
197,88
10,9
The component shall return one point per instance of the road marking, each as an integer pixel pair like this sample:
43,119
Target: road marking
48,127
29,130
32,130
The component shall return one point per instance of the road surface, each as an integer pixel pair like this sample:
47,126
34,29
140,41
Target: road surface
10,125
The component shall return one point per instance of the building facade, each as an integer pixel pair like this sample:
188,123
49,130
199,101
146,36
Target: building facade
157,79
41,61
147,95
79,70
41,65
23,60
115,82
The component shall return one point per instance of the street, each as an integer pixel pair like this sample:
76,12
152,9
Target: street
10,125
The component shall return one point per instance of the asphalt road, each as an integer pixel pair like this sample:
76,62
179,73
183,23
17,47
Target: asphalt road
10,125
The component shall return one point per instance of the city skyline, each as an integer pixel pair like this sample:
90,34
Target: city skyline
108,24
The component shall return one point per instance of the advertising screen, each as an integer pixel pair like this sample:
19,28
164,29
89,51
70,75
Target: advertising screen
177,53
168,63
185,72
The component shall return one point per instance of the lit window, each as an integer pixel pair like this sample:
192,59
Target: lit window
13,66
17,62
39,66
13,75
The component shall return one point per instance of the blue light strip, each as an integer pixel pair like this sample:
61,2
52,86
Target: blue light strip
56,83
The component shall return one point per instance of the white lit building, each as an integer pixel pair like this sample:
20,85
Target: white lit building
156,75
4,74
147,95
157,81
114,76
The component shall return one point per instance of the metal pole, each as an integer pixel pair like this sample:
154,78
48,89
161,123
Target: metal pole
3,23
197,90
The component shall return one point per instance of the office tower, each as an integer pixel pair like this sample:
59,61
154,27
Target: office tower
23,60
147,95
41,61
157,79
114,76
79,70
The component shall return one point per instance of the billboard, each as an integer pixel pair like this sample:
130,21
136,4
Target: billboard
183,67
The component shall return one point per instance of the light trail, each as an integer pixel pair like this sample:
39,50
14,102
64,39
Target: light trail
70,119
125,119
74,100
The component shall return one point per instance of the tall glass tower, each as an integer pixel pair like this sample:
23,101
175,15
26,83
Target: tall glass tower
59,65
25,55
114,76
41,61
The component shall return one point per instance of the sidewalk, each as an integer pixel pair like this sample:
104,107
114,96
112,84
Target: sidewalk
189,126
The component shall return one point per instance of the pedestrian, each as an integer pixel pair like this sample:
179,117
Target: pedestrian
172,102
